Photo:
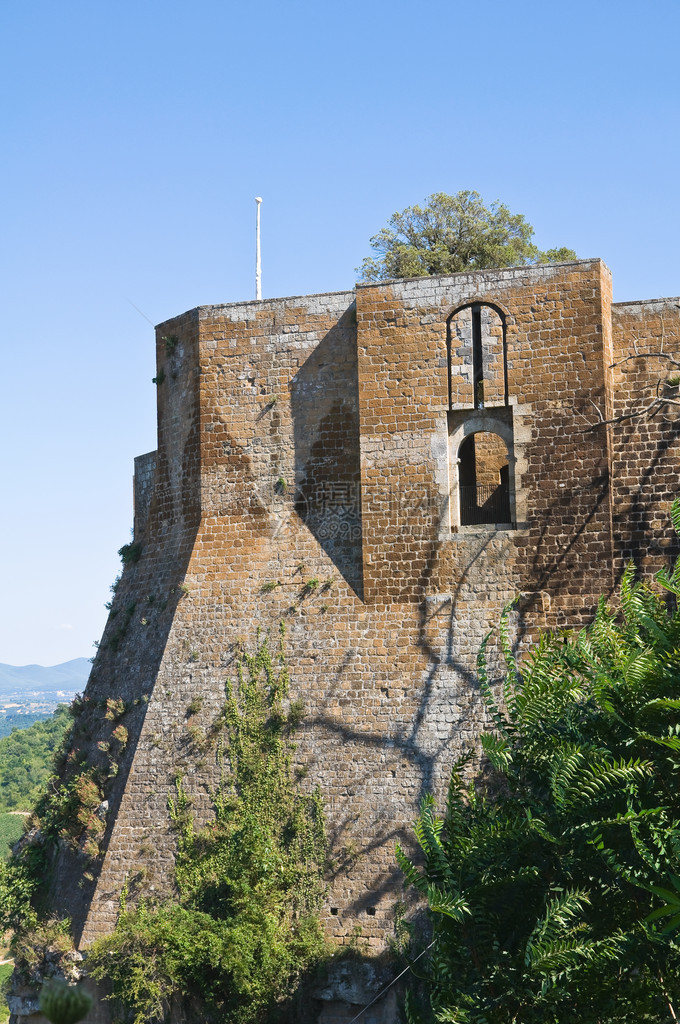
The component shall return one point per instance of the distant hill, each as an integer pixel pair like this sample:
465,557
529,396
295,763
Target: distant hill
69,677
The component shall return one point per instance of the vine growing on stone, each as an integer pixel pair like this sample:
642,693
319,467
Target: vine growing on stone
242,925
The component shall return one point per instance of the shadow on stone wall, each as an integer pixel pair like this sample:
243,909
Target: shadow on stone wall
445,668
325,408
410,742
636,527
349,986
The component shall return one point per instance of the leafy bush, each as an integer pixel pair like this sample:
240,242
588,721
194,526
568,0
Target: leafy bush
543,877
40,950
244,924
130,553
19,880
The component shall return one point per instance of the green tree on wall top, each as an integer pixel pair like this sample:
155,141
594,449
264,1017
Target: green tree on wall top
451,234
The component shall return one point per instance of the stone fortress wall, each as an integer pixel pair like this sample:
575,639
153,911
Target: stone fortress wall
368,442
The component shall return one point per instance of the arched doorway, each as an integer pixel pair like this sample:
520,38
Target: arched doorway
483,480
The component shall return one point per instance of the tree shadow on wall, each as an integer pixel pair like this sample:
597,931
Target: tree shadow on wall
413,754
635,533
325,408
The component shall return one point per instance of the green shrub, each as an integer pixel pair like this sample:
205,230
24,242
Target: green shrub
544,879
244,926
39,948
19,880
130,553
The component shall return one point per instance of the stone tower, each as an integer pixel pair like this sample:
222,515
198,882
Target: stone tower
383,470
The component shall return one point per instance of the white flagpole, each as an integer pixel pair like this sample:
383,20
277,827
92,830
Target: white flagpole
258,262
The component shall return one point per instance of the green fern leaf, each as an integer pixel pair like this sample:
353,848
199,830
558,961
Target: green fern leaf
497,749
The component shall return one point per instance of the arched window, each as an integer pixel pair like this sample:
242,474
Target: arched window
476,345
484,480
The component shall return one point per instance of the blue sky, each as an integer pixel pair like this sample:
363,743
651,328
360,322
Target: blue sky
135,137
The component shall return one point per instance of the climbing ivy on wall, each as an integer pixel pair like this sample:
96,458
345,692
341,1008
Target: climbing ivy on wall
242,924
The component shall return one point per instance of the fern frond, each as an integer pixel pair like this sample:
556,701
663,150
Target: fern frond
656,848
452,1015
428,829
671,580
450,904
455,817
561,912
561,958
567,762
624,818
654,627
659,704
640,667
599,780
587,651
500,722
539,826
497,749
413,875
671,740
628,591
511,682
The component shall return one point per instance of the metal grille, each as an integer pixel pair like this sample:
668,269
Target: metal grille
484,503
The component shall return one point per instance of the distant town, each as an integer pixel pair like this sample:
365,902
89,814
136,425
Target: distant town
29,693
19,710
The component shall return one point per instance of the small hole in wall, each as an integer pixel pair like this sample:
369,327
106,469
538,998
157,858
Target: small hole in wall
370,911
334,911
